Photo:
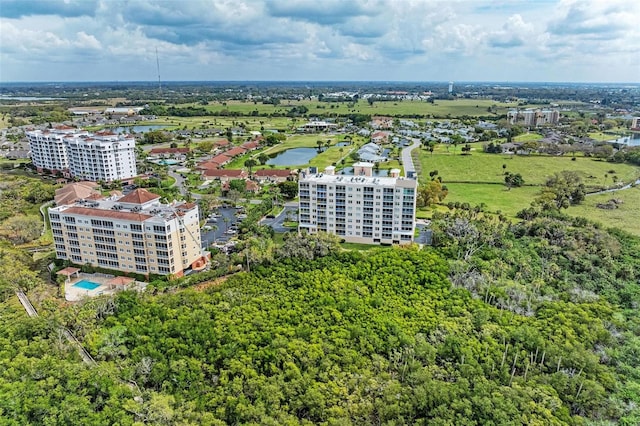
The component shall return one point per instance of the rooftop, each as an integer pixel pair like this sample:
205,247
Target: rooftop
113,208
361,180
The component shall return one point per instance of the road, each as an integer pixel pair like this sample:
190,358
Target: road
277,223
407,161
180,183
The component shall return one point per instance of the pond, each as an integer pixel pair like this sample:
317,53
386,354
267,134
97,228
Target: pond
633,140
293,157
343,144
136,129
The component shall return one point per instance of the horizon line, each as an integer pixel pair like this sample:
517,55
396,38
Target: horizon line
322,81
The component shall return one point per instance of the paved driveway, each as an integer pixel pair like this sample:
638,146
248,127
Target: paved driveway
277,223
407,161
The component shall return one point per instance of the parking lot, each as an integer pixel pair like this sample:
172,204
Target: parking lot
222,224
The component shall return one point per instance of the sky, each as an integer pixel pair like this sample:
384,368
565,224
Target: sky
320,40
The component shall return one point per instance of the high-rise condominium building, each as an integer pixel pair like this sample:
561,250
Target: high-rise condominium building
361,208
131,233
532,118
89,156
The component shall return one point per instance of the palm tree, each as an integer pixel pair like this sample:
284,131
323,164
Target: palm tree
250,163
327,144
319,143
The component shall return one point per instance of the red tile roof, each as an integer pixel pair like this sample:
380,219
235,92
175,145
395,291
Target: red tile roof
235,151
273,172
169,151
225,173
112,214
220,159
207,165
68,271
121,281
72,192
139,196
222,142
250,145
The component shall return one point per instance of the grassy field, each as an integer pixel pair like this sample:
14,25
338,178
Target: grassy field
488,168
194,123
624,217
479,178
441,108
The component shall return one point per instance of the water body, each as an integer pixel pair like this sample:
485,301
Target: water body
293,157
633,140
136,129
343,144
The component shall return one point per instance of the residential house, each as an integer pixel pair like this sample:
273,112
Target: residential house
273,175
224,175
380,137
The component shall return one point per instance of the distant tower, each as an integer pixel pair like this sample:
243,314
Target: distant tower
158,65
451,87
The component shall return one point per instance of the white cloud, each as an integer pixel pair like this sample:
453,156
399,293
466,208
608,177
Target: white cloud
287,39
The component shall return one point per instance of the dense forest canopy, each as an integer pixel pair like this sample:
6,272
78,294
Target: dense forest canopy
532,323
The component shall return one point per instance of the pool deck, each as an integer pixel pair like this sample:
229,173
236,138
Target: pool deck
74,294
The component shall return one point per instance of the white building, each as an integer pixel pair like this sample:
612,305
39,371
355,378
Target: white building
360,208
532,118
78,153
131,233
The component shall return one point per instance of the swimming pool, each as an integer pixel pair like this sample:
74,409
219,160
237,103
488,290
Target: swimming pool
86,285
168,162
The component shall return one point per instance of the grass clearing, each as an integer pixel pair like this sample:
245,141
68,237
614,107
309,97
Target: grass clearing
488,168
624,217
479,178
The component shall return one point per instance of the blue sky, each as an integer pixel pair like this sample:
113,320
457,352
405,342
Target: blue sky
389,40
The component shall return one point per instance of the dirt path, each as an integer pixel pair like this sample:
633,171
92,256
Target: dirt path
203,286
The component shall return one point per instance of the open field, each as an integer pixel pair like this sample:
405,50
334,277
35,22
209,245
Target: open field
479,178
483,167
441,108
251,123
495,197
625,217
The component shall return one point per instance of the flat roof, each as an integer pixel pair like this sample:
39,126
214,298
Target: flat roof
355,180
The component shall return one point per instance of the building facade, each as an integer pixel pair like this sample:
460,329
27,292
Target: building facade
76,153
533,118
359,208
131,233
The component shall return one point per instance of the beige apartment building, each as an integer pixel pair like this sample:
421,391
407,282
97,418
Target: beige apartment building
131,233
361,208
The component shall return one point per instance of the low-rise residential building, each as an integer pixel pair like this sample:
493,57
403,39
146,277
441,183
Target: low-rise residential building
272,175
224,175
131,233
317,126
361,208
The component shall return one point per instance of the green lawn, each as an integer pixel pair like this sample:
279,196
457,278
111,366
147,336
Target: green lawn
479,178
441,108
624,217
482,167
496,197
